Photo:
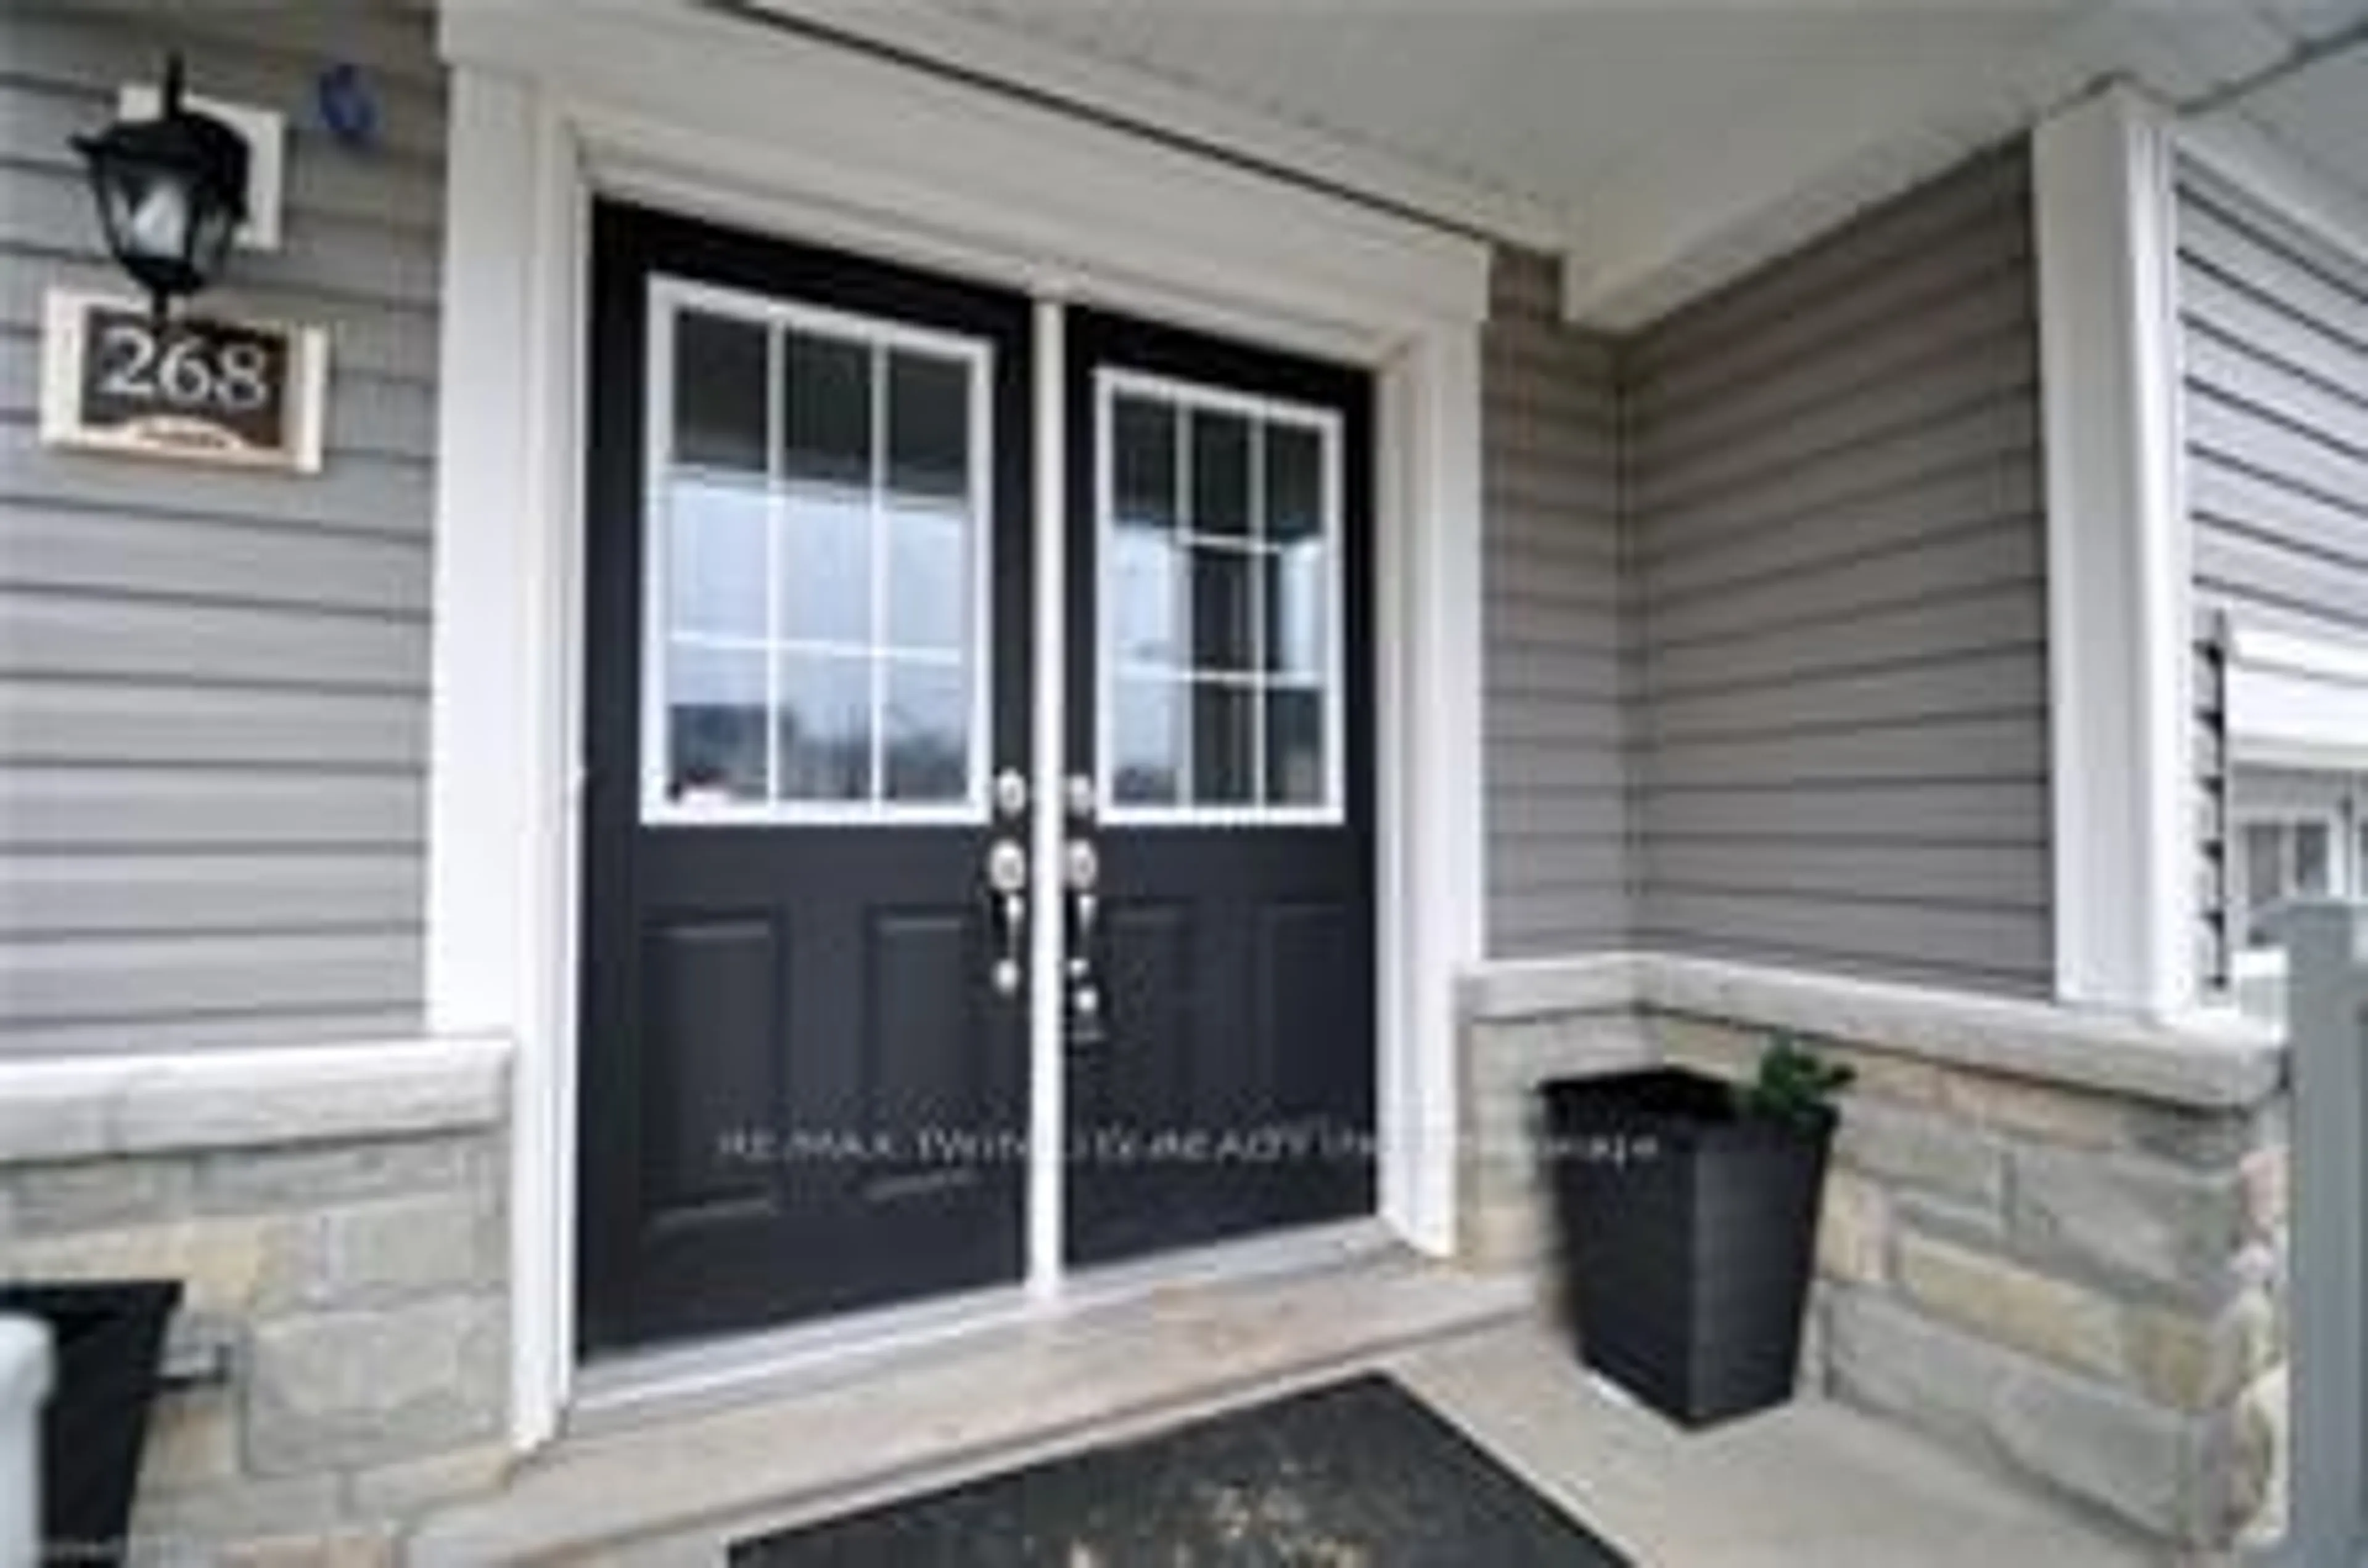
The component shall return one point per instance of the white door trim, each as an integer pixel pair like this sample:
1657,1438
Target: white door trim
745,125
1047,1215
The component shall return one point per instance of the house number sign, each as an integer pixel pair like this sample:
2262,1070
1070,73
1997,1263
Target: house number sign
247,394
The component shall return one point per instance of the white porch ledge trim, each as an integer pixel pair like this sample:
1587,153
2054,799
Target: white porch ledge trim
2207,1062
113,1106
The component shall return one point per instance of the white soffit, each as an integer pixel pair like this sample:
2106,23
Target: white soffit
1661,149
2319,114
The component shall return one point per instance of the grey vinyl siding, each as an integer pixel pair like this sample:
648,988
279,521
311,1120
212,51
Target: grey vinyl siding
1834,502
213,717
1559,858
2274,414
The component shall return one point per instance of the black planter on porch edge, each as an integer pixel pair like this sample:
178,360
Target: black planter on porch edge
107,1340
1687,1230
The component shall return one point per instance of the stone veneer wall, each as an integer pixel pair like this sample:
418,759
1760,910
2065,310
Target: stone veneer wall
347,1268
2077,1285
1501,1216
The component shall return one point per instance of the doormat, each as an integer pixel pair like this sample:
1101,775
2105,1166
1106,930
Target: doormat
1354,1474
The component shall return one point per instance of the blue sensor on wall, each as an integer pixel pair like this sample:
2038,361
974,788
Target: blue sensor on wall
346,106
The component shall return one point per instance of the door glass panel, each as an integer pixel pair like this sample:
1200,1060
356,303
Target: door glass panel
1216,640
825,566
1148,741
824,727
1294,747
1220,611
2314,870
1143,462
826,410
1145,593
719,391
1221,474
716,720
1294,483
2264,866
928,425
927,711
1297,591
1223,747
929,576
715,561
818,566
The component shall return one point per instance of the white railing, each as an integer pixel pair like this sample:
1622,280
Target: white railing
2328,1017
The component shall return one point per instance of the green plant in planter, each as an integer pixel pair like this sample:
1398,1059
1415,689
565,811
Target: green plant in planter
1793,1085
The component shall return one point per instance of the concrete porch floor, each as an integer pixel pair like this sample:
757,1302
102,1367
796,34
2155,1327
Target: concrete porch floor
1813,1484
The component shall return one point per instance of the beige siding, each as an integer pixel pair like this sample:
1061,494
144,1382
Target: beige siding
1835,512
1558,851
212,685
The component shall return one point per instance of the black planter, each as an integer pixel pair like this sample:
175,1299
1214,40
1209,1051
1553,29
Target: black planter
109,1342
1687,1232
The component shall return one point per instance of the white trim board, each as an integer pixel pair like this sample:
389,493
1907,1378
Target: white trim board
780,134
2296,702
2117,557
1048,1113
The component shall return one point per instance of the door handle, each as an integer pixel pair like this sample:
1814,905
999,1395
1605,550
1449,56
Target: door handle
1007,885
1081,874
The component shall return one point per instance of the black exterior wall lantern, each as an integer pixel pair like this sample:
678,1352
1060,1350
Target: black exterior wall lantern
171,193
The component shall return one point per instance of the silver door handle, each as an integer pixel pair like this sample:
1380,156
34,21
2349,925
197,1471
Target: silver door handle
1006,883
1081,872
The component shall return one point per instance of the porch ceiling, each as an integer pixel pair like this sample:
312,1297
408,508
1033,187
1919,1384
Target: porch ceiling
1660,148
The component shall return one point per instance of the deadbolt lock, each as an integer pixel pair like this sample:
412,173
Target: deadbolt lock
1010,793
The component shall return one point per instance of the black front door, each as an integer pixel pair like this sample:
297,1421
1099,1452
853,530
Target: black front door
1220,994
803,1045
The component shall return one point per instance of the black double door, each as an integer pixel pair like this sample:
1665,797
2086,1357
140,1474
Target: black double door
806,893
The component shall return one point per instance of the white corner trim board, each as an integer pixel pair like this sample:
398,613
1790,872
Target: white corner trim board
115,1106
2117,557
723,117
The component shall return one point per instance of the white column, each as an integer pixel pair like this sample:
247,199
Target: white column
1432,872
502,761
2117,558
